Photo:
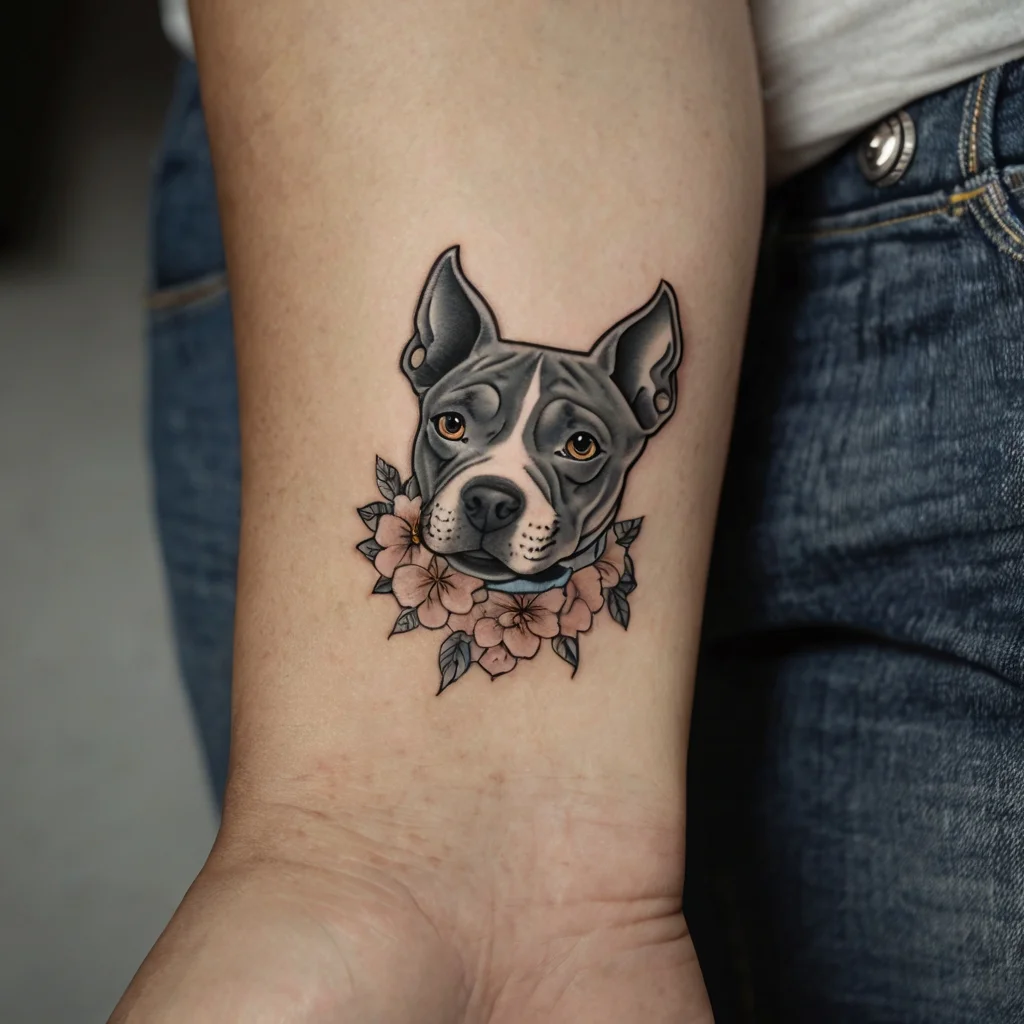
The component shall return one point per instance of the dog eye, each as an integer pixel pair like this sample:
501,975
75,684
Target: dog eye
450,425
582,447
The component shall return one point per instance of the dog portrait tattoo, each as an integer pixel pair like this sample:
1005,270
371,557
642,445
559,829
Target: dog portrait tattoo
505,538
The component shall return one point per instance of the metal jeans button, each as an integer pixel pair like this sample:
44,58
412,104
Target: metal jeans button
887,150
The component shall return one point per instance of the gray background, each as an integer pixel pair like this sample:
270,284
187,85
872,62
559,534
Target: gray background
104,816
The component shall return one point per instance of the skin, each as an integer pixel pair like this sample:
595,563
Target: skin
510,852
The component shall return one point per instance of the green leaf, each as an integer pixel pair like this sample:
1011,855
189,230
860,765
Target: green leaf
389,482
370,548
405,622
618,606
627,531
411,488
370,514
383,585
568,649
454,659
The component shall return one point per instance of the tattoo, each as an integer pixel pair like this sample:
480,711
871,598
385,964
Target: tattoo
505,535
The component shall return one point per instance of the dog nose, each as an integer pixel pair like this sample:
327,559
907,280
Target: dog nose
490,504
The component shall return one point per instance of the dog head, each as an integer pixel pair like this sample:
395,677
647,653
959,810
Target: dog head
522,451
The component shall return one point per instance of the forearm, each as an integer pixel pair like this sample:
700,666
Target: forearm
578,154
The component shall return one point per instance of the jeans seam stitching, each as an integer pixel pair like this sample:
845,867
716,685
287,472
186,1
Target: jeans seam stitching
993,208
855,229
1002,235
983,193
978,104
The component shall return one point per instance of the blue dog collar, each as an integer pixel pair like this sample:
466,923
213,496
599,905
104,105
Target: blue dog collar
524,585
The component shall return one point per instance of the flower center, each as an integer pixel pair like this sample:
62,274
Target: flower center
415,532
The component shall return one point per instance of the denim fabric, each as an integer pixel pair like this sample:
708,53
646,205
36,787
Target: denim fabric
856,829
856,822
193,417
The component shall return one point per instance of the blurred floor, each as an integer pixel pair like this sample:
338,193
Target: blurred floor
104,816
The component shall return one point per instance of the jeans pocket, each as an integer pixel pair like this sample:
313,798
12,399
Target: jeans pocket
995,198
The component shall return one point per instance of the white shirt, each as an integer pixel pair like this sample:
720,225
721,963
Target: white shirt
830,68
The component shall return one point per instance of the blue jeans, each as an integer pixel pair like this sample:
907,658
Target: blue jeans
856,819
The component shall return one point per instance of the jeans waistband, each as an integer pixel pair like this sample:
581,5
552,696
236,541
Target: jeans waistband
964,135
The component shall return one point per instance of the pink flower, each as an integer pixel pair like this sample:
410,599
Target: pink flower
466,623
518,621
584,593
583,599
399,537
434,589
496,661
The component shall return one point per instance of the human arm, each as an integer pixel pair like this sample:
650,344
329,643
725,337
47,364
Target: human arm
506,850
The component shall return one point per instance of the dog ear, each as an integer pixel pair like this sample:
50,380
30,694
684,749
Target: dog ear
641,354
452,319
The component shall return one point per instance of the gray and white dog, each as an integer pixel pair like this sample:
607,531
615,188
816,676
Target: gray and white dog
522,450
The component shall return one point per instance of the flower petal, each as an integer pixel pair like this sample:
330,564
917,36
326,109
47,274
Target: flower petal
466,623
488,608
457,591
612,564
550,600
576,619
419,555
411,584
509,619
487,632
437,567
521,642
389,559
588,584
392,530
497,661
432,612
503,602
408,509
542,622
